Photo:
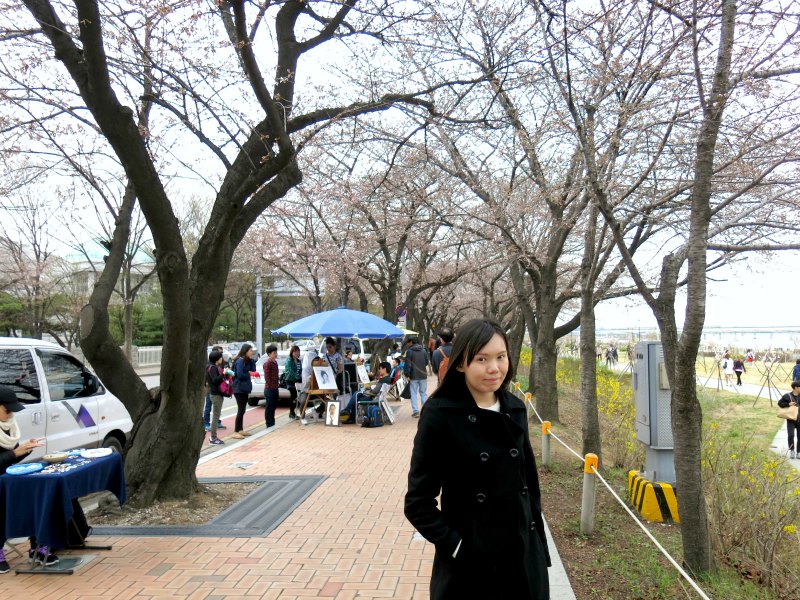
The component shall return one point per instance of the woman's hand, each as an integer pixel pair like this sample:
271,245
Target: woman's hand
27,447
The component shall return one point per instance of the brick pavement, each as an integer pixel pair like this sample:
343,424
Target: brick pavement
349,539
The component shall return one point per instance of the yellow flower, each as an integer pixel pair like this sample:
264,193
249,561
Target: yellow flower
790,528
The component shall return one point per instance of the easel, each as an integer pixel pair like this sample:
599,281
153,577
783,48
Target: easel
323,396
767,381
720,381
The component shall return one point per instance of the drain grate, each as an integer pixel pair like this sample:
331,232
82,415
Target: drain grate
255,515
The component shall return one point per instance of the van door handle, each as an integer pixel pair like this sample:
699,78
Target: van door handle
36,417
55,416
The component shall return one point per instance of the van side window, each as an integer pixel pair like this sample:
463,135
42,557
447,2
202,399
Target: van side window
18,371
65,376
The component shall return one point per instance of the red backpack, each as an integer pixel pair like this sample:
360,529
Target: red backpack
443,365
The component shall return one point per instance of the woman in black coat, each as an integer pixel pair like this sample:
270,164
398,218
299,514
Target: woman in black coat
472,446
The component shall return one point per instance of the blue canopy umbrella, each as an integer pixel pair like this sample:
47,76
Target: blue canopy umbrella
341,322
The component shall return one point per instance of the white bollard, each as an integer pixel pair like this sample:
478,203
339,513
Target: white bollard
546,443
587,500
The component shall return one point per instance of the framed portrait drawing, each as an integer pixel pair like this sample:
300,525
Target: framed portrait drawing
325,378
363,376
332,414
387,411
401,385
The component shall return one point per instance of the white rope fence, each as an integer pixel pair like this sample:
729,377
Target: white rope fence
588,498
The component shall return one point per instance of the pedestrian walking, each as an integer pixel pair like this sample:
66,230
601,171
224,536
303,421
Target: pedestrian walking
416,370
738,368
727,368
473,449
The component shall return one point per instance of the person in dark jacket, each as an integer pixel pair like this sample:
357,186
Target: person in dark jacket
207,407
12,451
442,351
472,447
738,368
215,375
271,385
243,366
416,370
792,427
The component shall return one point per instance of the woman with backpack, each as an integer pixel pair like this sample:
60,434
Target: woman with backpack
243,366
217,379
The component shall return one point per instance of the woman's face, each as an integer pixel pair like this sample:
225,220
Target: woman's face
331,348
5,414
296,352
249,353
486,372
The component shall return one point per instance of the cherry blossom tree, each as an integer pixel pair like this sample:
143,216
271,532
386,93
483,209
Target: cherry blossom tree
204,91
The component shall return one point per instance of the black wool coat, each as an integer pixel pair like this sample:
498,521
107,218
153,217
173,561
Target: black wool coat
483,465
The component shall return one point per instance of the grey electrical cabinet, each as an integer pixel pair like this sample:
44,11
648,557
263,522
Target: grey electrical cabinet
653,399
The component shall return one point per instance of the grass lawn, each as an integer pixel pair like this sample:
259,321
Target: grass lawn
756,372
617,560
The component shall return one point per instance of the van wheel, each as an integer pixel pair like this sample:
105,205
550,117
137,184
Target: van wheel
253,401
113,443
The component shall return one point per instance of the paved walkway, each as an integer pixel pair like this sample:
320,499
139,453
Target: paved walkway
349,539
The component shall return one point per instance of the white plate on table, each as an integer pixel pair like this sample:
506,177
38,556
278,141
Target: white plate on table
96,452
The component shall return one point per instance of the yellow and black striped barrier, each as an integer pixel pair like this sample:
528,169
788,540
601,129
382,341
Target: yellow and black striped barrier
655,501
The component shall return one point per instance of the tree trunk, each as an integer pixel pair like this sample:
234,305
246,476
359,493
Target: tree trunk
129,329
545,356
590,419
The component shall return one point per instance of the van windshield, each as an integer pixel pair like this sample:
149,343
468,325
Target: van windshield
18,371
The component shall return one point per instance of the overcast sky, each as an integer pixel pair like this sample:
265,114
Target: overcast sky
762,292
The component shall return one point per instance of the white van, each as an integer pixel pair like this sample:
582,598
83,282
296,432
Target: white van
360,348
65,404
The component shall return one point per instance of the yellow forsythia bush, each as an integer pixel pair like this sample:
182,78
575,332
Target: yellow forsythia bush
754,509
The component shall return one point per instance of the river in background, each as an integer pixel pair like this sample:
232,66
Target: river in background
715,339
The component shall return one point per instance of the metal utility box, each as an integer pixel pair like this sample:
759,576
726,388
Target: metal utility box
653,401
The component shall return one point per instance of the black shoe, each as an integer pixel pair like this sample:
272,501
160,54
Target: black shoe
4,566
292,415
41,559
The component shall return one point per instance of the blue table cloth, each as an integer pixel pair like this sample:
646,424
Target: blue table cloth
40,504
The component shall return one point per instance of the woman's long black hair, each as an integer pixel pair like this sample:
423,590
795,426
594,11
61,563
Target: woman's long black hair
470,338
242,352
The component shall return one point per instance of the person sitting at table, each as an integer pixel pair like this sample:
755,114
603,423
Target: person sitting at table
335,361
397,370
13,451
383,377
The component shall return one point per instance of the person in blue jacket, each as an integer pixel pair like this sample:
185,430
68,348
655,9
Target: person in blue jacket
243,366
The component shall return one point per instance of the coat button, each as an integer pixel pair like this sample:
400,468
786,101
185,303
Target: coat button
533,525
472,418
481,497
524,491
514,453
484,456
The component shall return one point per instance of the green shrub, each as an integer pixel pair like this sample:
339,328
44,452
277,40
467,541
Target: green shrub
618,421
754,510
